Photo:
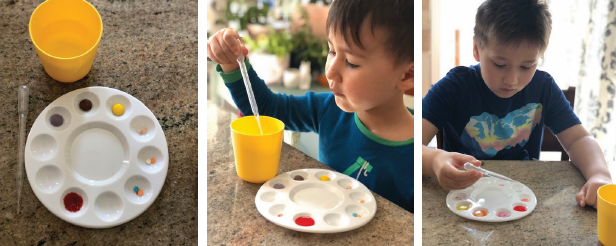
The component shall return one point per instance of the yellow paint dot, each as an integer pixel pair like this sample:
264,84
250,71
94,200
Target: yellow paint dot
463,207
117,109
324,178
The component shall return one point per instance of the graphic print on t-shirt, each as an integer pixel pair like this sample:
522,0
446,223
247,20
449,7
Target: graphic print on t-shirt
487,134
360,164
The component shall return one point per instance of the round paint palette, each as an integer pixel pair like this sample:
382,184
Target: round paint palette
492,200
316,200
87,163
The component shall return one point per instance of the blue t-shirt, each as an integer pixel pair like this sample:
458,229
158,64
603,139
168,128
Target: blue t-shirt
477,122
345,144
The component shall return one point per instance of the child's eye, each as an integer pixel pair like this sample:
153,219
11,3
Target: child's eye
332,53
525,68
351,65
499,66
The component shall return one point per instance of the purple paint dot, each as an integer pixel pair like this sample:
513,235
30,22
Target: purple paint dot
278,186
56,120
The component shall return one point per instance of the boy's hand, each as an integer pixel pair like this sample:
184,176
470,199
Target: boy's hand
588,195
224,48
446,168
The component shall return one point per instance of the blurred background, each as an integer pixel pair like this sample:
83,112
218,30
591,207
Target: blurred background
581,56
288,50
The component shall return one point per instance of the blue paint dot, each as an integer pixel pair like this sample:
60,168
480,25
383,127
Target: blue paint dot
354,214
136,189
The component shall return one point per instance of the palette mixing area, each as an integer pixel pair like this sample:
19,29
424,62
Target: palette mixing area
316,200
492,200
96,157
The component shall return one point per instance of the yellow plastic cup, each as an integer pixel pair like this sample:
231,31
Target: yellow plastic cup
66,34
257,156
606,214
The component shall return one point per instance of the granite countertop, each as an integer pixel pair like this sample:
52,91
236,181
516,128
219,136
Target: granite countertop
149,50
233,219
556,220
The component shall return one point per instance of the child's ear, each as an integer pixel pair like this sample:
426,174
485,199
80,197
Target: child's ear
408,80
475,51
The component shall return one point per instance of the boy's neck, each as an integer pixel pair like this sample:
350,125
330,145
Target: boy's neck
393,122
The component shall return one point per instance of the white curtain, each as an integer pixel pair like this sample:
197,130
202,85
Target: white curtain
595,92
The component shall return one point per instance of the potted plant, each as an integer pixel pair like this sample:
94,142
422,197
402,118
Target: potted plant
270,54
310,51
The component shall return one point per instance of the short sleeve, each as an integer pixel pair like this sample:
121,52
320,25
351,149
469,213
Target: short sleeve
559,115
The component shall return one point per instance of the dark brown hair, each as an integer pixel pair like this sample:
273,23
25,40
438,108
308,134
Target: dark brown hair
510,22
394,16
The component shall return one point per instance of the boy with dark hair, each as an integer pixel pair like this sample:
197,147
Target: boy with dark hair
365,130
497,109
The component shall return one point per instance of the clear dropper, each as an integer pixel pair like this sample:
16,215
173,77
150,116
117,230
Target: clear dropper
469,166
22,110
251,95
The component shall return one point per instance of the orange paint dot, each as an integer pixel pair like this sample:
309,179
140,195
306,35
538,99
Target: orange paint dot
361,201
279,215
525,200
140,193
153,160
358,216
480,213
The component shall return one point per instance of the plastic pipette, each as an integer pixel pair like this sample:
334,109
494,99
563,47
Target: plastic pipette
251,96
469,166
22,110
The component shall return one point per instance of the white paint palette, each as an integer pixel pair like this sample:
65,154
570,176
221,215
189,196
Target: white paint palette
492,200
85,163
340,204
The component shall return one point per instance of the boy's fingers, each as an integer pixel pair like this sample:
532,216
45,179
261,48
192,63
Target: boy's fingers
211,54
245,50
231,57
464,178
461,159
218,52
230,38
580,197
225,53
591,197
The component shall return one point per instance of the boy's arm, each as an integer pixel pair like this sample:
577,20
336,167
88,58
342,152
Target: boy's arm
445,165
587,156
299,113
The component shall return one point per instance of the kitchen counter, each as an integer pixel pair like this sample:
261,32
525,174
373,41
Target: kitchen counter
149,50
233,219
556,220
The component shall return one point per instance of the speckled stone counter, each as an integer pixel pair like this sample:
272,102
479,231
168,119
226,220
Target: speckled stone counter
149,50
557,219
233,219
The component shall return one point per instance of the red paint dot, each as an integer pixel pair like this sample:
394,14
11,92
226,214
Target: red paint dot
304,221
73,202
519,208
525,200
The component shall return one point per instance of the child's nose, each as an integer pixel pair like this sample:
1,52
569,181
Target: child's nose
331,71
511,79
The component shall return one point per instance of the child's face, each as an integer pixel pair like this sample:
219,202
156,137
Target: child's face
364,80
508,69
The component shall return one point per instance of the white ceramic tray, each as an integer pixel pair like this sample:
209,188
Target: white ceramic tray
340,204
97,155
501,200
